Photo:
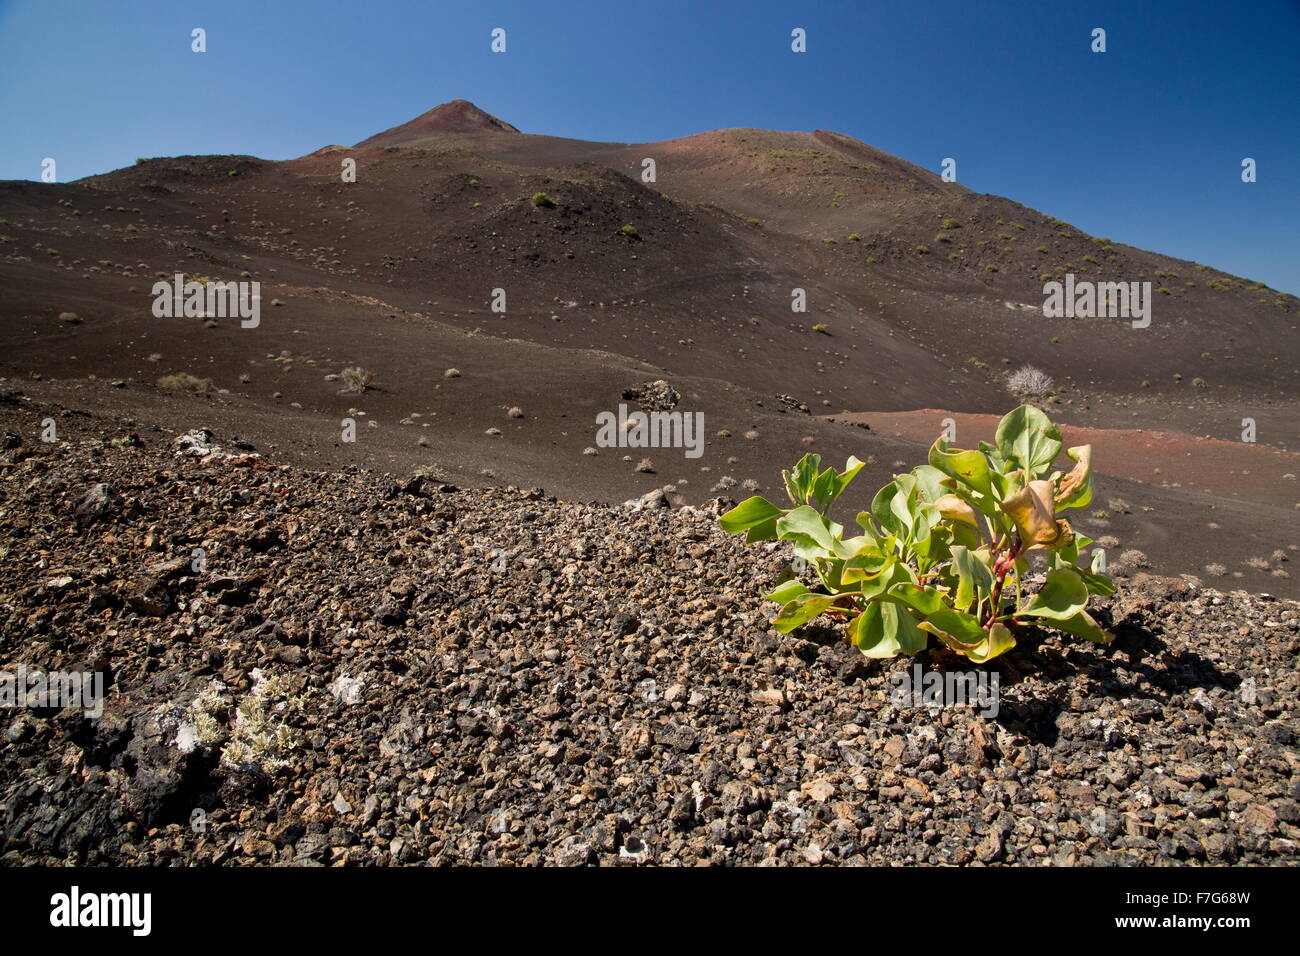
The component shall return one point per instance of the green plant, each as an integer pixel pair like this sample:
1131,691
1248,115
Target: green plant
543,200
629,231
355,380
942,550
951,223
184,381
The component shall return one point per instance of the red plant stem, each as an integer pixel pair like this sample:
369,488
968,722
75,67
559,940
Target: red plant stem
1000,568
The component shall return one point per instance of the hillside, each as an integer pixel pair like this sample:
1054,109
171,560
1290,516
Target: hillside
396,273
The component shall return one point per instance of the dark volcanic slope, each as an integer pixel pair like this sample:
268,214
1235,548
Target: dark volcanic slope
382,671
397,273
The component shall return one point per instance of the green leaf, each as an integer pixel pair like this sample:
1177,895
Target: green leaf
868,563
962,633
748,514
929,483
882,510
851,469
824,489
900,504
995,459
802,610
964,534
810,533
968,467
897,573
974,578
907,634
799,481
1027,437
886,630
831,571
1062,597
1097,584
1083,625
869,525
924,600
787,592
924,517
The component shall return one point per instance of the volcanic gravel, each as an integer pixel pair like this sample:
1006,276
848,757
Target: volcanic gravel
361,669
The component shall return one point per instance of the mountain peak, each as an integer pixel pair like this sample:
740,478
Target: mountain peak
458,116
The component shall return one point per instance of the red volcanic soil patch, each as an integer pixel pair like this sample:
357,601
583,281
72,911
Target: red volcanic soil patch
1223,511
1169,459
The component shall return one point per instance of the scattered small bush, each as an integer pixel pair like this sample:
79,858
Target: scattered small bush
1030,382
1132,559
355,380
543,201
185,382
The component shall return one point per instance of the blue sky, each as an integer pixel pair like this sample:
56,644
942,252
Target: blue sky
1143,143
